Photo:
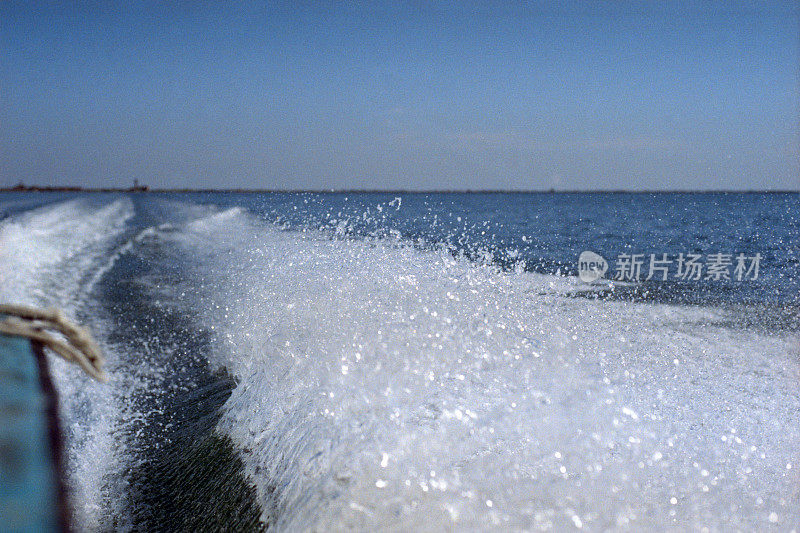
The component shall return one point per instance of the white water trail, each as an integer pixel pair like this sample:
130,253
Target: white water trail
381,386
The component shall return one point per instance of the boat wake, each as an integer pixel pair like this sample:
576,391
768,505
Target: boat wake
318,380
380,385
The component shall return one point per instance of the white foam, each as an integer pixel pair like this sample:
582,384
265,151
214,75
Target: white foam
385,387
36,246
216,218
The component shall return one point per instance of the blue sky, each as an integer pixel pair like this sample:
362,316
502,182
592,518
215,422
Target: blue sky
475,95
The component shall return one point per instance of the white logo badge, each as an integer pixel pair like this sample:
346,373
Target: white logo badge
591,266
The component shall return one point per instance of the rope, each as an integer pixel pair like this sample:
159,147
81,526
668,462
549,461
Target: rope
78,346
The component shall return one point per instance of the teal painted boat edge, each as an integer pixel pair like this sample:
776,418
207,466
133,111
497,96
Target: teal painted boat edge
31,494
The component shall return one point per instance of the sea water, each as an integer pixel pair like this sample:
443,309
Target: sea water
420,361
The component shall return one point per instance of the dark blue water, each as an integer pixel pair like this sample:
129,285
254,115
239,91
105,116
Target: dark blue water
546,232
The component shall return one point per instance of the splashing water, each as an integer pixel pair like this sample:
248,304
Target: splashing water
404,364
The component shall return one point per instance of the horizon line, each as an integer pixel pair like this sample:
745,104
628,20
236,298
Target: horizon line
247,190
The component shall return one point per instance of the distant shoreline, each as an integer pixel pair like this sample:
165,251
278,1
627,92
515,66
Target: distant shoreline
146,189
